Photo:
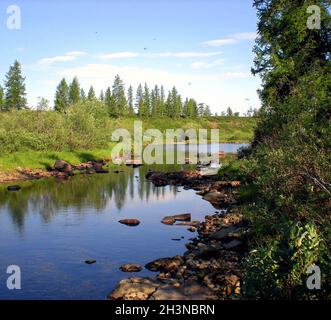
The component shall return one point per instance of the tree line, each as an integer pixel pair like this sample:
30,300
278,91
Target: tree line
144,102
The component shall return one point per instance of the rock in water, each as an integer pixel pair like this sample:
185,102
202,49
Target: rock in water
13,188
165,264
131,267
130,222
90,261
177,217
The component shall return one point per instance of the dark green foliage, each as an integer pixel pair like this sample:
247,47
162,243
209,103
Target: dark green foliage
61,102
119,103
74,91
91,94
15,88
2,99
289,163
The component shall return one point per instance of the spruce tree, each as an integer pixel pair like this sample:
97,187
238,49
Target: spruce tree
162,102
140,100
146,102
61,102
109,102
74,91
130,101
15,88
82,94
102,96
91,94
119,99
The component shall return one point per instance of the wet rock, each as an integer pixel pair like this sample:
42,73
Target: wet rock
168,292
131,267
134,288
14,188
165,264
91,261
130,222
63,166
189,223
169,220
192,229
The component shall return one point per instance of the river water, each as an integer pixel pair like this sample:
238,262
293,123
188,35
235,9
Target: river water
50,227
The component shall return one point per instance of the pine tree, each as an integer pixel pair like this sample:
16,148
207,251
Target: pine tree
176,104
102,96
168,106
162,102
82,94
61,102
229,112
119,99
2,99
154,101
15,88
146,102
130,101
74,91
91,94
140,100
109,102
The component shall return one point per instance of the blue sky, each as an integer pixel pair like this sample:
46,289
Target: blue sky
203,47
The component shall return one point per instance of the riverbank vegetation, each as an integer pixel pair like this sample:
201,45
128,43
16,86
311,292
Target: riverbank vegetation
287,169
80,125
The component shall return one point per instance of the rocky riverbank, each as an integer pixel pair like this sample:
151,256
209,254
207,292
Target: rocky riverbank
211,266
60,170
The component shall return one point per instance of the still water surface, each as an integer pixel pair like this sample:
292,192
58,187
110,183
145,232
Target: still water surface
50,227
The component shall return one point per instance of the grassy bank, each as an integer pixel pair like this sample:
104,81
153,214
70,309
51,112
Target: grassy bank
31,139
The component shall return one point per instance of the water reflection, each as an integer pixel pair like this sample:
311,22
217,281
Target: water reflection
47,197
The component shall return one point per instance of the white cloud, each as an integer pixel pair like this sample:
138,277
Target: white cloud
180,54
70,56
102,75
231,39
203,64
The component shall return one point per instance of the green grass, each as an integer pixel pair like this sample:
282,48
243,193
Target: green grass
35,140
45,160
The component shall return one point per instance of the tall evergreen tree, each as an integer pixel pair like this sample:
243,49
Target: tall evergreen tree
82,94
91,94
140,100
130,101
61,102
162,102
146,102
154,103
102,96
109,102
15,88
119,98
74,91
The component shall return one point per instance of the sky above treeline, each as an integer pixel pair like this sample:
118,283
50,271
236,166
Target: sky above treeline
203,47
